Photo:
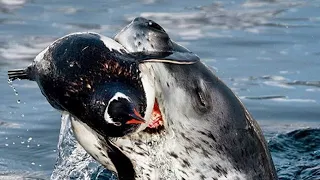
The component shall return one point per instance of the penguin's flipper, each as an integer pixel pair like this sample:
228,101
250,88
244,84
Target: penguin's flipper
18,74
173,57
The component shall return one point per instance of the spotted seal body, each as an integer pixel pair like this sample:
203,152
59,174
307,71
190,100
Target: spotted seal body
208,132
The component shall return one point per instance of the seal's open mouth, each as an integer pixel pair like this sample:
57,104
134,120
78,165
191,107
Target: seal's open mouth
156,124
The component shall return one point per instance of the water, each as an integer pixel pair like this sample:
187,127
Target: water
267,51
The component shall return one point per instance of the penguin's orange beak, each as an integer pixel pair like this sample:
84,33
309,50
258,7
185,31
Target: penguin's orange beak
136,118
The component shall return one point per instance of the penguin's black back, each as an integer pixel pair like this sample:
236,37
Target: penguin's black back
74,66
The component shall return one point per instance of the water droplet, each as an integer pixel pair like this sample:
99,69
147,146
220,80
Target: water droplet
14,89
6,144
33,163
22,115
13,143
28,146
38,145
22,142
30,138
40,165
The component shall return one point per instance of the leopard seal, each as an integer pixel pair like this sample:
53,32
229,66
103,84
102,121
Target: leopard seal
208,133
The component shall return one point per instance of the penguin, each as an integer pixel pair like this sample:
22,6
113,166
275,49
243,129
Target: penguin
86,76
74,69
95,80
207,132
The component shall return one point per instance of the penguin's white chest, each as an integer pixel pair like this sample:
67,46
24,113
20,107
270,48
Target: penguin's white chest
90,141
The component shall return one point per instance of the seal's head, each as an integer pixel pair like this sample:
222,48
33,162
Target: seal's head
149,42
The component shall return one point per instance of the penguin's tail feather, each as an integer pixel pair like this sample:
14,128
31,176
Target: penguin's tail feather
18,74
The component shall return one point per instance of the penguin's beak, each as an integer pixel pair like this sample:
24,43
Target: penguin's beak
136,118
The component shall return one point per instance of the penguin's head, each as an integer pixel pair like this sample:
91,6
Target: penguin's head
121,110
114,109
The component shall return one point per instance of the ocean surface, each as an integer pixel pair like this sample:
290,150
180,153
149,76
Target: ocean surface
266,51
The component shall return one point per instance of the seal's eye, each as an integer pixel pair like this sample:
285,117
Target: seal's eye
155,26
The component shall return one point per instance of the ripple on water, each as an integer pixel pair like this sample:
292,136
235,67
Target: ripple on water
25,51
297,154
251,17
7,6
22,176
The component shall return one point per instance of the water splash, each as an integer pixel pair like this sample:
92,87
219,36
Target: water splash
73,162
10,82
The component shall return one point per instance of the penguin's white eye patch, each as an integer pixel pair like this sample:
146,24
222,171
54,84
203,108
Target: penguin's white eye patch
116,97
